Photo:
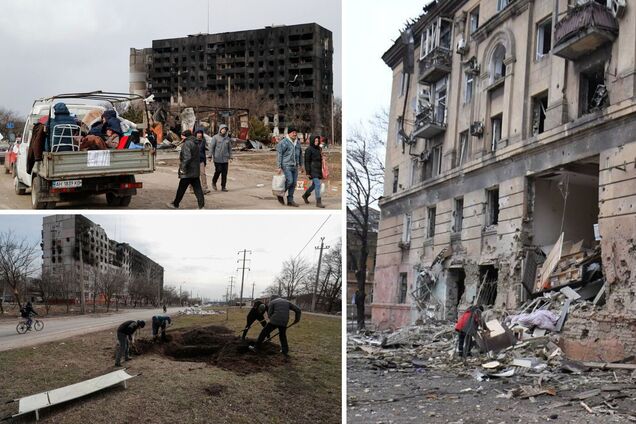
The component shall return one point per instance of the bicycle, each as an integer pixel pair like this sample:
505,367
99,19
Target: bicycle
23,327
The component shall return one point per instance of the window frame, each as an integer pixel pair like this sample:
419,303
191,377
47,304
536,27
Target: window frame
403,288
540,38
469,85
492,205
502,4
458,214
396,179
407,227
496,130
431,212
472,15
464,147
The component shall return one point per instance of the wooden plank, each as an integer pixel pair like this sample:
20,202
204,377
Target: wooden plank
609,365
550,263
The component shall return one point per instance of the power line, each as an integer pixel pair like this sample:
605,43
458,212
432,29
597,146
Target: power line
312,237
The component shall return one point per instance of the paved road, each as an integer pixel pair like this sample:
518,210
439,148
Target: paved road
249,182
63,327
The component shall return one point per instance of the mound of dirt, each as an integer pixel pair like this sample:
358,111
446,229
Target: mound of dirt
215,345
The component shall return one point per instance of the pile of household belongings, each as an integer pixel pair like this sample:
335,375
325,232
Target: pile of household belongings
99,120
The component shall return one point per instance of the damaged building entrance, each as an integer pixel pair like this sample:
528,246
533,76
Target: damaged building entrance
455,288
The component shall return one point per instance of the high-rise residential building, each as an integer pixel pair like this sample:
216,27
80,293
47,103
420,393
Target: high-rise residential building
291,65
68,238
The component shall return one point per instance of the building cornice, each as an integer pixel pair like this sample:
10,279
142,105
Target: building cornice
514,8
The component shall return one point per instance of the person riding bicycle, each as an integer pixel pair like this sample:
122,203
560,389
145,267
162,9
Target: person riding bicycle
27,312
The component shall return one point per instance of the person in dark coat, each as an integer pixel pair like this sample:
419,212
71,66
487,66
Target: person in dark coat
125,334
200,135
278,312
313,168
189,170
36,146
257,313
160,322
61,137
27,313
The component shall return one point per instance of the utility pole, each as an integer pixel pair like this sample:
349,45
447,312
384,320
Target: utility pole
253,284
242,268
313,298
231,286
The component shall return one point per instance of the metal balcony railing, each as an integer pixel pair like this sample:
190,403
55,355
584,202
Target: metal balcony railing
584,28
435,65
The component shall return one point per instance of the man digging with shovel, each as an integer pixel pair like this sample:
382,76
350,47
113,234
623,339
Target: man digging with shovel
278,313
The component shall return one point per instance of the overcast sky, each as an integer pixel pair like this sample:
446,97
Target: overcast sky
369,30
51,47
200,251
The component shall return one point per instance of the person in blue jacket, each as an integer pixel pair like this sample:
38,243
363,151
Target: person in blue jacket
62,138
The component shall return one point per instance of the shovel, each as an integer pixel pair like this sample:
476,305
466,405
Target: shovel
275,335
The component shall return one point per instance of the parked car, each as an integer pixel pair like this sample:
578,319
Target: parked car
5,146
10,157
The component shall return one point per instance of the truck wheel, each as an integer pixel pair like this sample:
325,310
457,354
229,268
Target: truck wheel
36,186
112,199
125,200
18,186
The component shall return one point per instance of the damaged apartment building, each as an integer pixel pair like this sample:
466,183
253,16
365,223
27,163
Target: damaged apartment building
290,64
73,244
512,122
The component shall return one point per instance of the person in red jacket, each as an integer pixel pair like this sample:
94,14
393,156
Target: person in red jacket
467,325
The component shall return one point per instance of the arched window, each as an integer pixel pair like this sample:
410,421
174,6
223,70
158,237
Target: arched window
497,65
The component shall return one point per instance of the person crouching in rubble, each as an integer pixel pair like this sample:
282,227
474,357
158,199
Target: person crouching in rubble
160,322
125,334
278,312
467,325
257,313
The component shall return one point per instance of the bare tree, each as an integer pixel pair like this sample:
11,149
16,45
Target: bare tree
17,262
365,177
337,120
47,286
112,283
331,287
7,116
295,273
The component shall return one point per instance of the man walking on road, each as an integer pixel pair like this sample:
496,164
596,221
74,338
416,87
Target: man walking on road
125,334
189,170
278,312
289,162
257,313
203,148
221,154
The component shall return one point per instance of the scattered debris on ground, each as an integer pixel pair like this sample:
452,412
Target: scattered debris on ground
215,345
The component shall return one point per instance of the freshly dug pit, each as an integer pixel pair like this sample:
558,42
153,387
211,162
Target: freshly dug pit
215,389
216,345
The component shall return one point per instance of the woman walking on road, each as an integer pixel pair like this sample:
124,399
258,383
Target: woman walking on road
314,167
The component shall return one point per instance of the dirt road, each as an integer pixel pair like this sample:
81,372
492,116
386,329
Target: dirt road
60,328
249,185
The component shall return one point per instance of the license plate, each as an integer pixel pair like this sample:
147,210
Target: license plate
67,184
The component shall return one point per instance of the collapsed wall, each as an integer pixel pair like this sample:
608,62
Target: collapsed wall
609,334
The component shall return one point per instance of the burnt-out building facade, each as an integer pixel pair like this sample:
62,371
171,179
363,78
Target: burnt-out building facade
512,131
291,65
75,249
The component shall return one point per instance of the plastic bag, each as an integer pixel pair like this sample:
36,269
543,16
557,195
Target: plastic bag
278,185
325,169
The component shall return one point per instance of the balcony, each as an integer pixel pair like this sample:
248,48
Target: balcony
435,65
583,30
430,121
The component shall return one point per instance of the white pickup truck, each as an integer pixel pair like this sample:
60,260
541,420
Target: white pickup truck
64,175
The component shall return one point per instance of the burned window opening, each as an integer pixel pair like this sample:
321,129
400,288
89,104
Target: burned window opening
593,95
430,230
403,287
455,291
492,207
539,106
487,292
458,215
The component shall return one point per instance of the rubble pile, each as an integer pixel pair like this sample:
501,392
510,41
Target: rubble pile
524,355
199,311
